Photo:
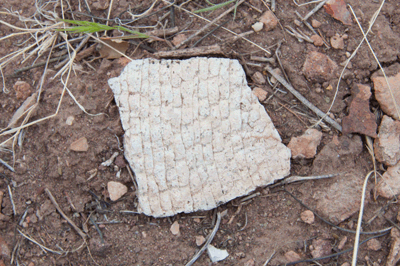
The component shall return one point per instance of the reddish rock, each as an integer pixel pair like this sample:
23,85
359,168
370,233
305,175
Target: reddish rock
22,90
317,40
319,67
120,161
315,23
292,256
387,144
306,145
360,119
321,248
269,20
390,183
5,252
382,92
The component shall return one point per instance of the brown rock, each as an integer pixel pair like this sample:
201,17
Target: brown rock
260,93
319,67
387,144
22,89
315,23
80,145
269,20
360,119
292,256
390,183
320,248
307,217
337,42
382,92
45,209
258,78
306,145
317,40
116,190
394,254
374,244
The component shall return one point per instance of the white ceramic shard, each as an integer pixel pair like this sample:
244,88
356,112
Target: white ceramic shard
195,135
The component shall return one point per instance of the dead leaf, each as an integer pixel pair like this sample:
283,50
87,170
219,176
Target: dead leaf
337,9
109,53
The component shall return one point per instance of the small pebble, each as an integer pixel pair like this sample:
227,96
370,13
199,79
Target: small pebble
175,228
70,120
258,78
258,26
374,244
317,40
337,42
80,145
315,23
292,256
348,54
342,242
116,190
200,240
297,23
260,93
307,217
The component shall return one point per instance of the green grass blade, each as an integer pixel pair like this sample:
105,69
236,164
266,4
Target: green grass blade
214,7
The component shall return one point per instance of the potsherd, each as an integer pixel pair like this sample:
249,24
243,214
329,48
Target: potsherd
195,135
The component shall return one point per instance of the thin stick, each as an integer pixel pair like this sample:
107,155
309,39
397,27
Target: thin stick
209,24
315,9
53,200
360,215
11,199
109,13
17,71
210,238
198,51
303,100
209,33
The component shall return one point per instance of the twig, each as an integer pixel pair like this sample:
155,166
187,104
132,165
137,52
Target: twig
12,200
295,178
172,16
315,9
209,24
270,60
198,51
209,239
273,5
245,223
7,165
53,200
303,100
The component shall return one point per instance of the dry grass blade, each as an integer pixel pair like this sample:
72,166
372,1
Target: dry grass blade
360,215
